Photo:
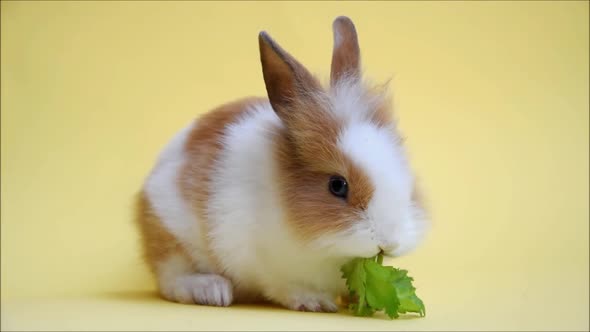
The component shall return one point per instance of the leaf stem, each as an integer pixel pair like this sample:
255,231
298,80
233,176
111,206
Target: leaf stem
380,259
361,307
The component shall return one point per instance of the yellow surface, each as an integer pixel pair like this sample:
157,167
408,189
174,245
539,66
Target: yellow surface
493,97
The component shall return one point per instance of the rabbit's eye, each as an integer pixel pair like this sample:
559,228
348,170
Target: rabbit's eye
338,186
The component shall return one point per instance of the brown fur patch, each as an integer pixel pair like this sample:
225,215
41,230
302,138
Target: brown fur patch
307,149
158,244
313,132
202,149
308,156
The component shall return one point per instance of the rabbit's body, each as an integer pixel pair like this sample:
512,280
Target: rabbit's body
266,199
239,235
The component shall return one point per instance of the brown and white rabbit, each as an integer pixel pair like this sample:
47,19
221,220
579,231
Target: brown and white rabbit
265,199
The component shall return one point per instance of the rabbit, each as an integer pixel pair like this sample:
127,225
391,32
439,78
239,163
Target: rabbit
264,199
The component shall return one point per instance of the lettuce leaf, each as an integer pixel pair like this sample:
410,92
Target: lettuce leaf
375,287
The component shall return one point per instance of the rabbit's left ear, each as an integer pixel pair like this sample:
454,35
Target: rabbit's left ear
346,54
285,78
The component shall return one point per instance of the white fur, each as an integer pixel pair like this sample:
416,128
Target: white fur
164,195
391,211
162,190
396,224
247,231
178,283
255,247
349,100
176,276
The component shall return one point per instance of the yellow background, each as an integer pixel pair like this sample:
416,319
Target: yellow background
492,96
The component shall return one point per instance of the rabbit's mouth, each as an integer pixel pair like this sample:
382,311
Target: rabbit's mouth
388,250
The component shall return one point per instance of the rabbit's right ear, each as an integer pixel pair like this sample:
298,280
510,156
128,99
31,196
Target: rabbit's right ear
286,79
346,55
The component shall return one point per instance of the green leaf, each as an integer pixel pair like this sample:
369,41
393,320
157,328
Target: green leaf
355,276
379,288
406,293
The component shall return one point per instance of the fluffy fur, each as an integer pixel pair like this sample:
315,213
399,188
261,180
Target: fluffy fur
238,208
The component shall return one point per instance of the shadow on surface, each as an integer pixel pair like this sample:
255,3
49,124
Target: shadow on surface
151,296
154,297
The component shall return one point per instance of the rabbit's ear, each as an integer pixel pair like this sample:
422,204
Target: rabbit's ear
346,54
285,78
